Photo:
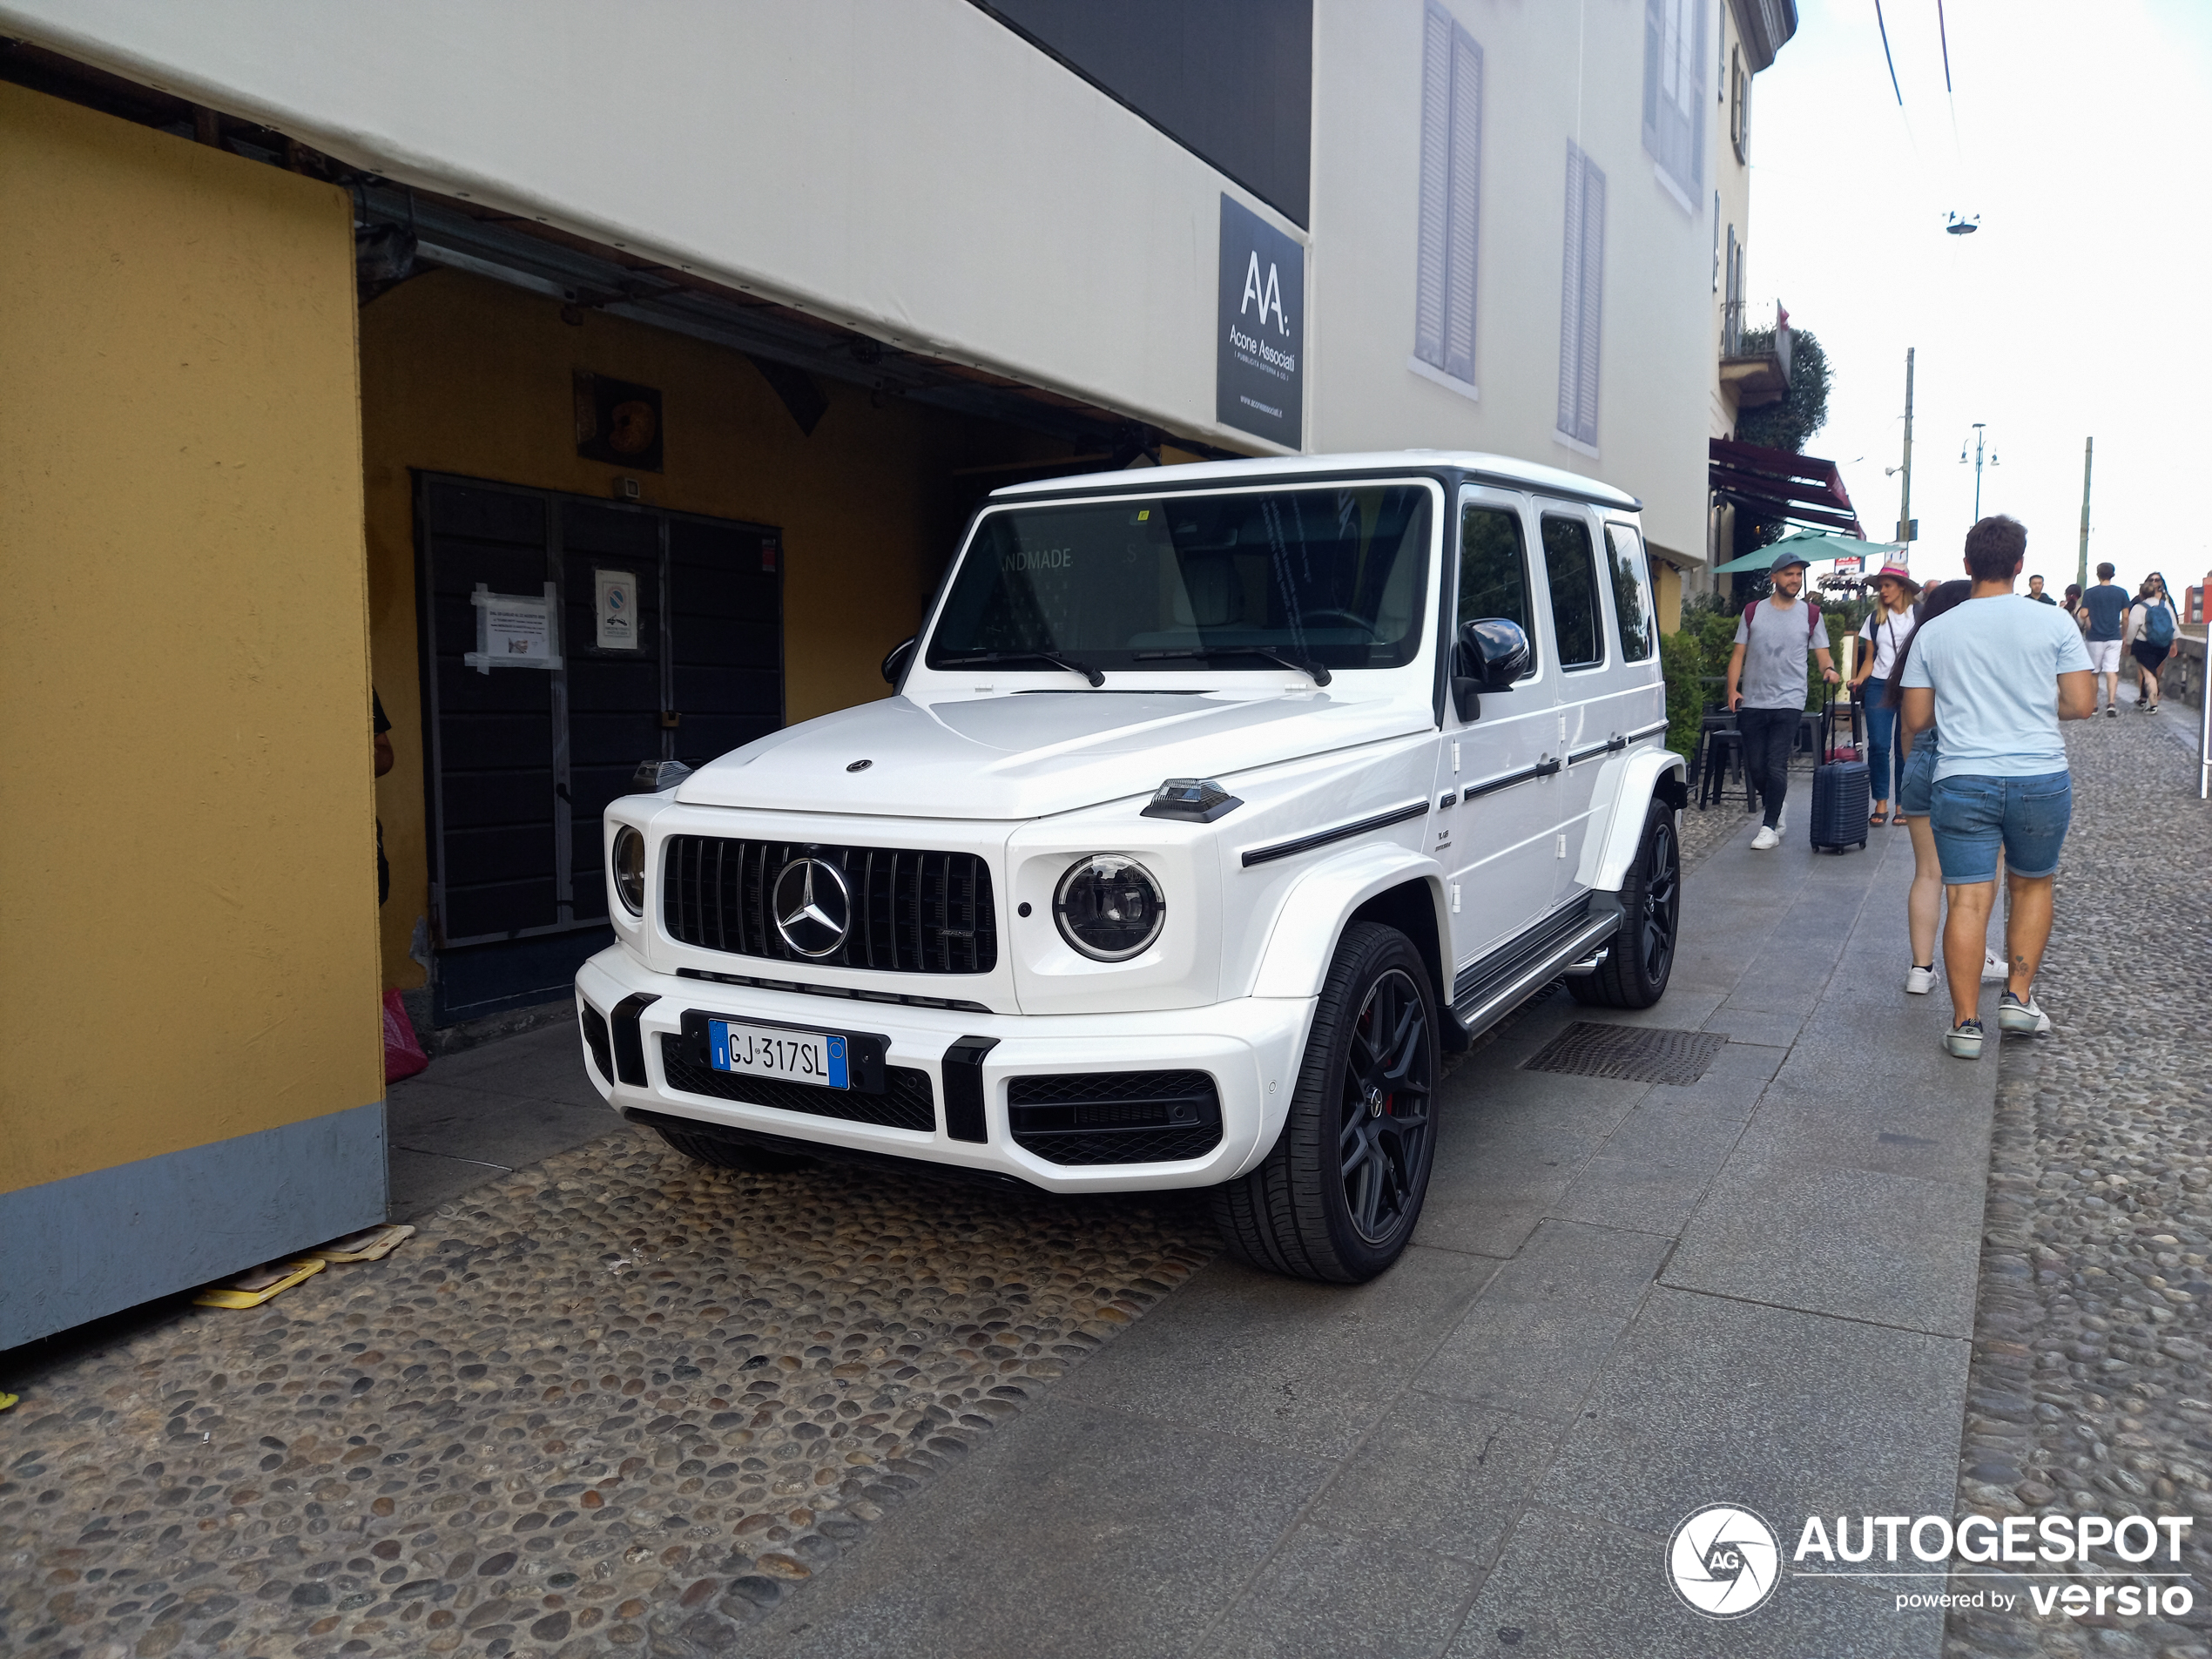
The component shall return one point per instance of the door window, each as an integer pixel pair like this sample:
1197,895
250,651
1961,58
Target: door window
1632,593
1572,565
1493,571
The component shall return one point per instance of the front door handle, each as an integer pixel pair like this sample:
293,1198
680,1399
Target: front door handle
1547,765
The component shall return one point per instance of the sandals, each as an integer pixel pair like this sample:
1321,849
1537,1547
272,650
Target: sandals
1878,817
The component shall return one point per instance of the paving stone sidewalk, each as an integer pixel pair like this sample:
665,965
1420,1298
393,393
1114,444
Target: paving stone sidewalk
2092,1387
1626,1301
611,1403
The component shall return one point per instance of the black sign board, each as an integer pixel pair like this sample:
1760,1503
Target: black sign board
1260,352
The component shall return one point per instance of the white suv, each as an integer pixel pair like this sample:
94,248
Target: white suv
1214,803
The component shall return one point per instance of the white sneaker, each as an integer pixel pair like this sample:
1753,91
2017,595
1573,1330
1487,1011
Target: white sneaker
1781,820
2022,1019
1766,841
1918,980
1993,970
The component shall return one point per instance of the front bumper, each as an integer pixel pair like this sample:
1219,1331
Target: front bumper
1251,1047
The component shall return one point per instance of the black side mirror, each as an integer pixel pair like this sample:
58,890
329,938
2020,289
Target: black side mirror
1489,656
895,662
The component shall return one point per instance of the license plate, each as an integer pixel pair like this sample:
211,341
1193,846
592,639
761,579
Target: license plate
812,1057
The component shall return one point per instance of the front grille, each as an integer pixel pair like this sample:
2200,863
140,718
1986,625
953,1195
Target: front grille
1116,1117
912,912
906,1102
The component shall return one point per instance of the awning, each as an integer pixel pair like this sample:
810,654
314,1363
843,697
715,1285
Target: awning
1782,485
1815,548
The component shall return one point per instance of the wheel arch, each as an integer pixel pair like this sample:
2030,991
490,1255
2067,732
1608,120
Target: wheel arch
1389,884
1626,788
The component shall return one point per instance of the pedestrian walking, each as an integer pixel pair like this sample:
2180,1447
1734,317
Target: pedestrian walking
1887,631
1923,902
2105,606
2152,624
1996,675
1766,684
2072,605
2035,591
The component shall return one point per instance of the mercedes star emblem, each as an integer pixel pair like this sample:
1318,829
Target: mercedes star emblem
813,907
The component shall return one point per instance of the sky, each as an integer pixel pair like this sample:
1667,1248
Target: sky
2081,136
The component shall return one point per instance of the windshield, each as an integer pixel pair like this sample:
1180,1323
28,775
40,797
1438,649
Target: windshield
1332,577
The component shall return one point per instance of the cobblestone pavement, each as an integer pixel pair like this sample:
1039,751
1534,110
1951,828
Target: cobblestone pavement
2089,1390
615,1403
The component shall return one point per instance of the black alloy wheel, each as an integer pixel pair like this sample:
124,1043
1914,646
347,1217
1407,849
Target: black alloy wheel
1641,957
1383,1148
1339,1194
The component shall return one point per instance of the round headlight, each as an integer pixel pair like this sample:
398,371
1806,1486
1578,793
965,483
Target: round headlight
628,864
1108,907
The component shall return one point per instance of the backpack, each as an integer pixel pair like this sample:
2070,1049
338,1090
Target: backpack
1812,616
2158,623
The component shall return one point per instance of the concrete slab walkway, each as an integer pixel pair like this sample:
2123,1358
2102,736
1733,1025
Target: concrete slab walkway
1626,1301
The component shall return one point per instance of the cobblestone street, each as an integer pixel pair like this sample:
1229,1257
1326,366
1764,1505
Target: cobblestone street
2089,1390
613,1401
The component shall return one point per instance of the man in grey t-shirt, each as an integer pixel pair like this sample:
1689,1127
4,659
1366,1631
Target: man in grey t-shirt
1766,684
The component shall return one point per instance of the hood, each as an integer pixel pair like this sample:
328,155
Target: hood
1031,754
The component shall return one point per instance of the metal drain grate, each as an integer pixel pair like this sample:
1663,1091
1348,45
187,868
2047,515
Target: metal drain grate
1635,1053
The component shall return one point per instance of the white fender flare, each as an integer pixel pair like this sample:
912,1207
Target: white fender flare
1312,914
1625,786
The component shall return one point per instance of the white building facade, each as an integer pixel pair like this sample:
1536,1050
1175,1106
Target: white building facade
1471,225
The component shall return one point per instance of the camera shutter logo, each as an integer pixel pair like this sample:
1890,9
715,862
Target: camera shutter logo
814,908
1724,1561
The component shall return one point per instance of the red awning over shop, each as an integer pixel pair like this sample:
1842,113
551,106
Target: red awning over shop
1777,482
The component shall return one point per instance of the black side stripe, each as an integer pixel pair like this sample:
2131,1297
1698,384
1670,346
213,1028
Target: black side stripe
1342,831
1642,732
1580,755
1504,781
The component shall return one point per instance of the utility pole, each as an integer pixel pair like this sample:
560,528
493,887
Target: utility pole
1962,461
2081,571
1904,504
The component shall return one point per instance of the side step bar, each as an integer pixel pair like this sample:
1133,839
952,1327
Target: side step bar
1579,951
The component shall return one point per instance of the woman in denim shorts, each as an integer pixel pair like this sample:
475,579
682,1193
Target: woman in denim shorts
1923,903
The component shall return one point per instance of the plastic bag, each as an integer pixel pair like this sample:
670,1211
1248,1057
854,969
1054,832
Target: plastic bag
403,1055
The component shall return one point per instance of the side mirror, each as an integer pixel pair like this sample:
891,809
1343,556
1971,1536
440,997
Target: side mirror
895,662
1489,656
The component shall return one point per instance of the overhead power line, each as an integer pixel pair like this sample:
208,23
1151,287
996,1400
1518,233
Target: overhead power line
1886,58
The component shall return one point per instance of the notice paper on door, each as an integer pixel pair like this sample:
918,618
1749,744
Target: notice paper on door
616,593
515,630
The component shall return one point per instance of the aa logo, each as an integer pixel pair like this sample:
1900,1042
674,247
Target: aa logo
1268,295
1724,1561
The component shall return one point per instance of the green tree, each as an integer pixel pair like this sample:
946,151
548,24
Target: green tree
1803,410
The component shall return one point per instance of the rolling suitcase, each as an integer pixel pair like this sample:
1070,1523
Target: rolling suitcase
1842,790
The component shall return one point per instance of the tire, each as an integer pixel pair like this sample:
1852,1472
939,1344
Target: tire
1340,1193
722,1152
1636,968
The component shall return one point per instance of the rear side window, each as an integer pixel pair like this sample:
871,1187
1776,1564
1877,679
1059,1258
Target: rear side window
1493,571
1572,565
1632,593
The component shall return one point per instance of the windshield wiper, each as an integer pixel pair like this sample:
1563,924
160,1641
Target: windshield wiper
1054,658
1314,672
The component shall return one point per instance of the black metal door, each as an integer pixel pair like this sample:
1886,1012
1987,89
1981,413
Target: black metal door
522,761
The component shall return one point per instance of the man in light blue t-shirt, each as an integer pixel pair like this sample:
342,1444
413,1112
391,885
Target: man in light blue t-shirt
1995,676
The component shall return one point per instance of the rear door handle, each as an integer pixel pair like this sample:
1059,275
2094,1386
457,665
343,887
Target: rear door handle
1547,765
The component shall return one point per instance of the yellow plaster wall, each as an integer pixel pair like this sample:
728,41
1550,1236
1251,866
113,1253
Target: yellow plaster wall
187,881
464,375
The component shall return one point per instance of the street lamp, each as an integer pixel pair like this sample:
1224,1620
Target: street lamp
1978,465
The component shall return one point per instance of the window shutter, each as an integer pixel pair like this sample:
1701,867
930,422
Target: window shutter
1465,197
1655,36
1436,180
1593,274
